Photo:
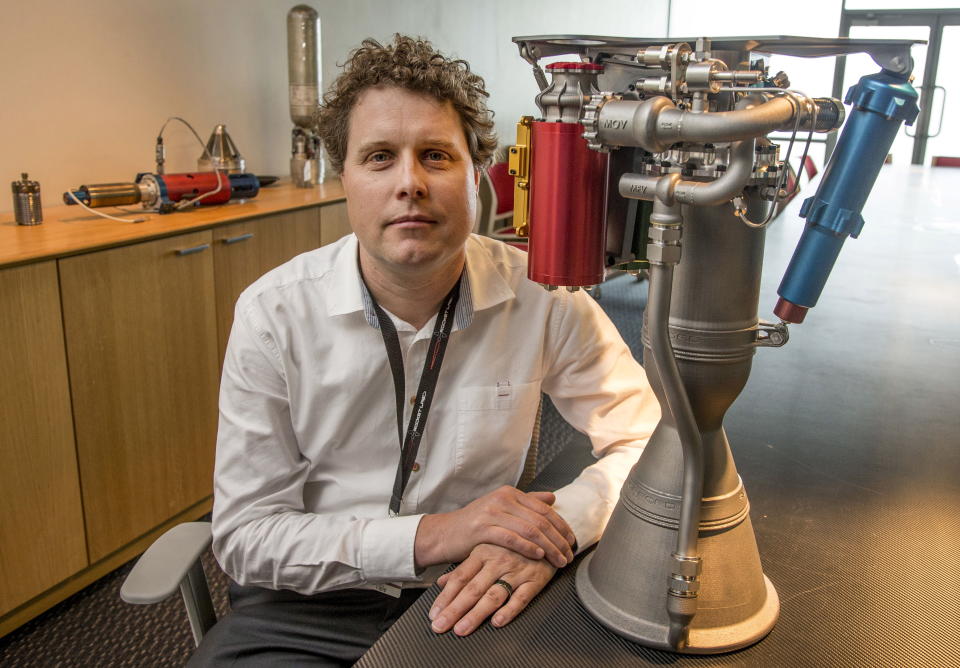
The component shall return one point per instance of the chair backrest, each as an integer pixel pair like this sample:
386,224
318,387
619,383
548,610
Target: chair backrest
945,161
495,217
502,183
530,464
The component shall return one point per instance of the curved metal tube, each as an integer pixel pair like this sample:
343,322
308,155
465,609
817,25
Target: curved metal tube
658,314
674,125
682,591
727,186
656,124
671,188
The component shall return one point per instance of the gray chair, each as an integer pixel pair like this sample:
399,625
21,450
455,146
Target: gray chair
173,560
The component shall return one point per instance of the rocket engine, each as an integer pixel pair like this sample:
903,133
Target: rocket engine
654,154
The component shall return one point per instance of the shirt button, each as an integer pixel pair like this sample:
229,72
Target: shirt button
415,467
413,400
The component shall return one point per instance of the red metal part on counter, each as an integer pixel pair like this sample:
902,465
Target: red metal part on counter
568,203
192,184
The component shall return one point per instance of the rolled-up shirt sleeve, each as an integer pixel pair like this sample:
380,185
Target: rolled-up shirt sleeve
262,533
602,391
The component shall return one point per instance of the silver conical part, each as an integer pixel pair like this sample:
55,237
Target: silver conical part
221,153
624,583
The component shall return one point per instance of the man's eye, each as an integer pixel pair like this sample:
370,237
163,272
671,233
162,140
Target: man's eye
435,156
379,156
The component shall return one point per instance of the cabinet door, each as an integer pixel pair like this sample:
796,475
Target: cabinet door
140,325
333,223
41,520
287,235
236,260
243,252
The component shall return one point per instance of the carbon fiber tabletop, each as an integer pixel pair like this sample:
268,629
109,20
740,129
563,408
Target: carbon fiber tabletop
847,442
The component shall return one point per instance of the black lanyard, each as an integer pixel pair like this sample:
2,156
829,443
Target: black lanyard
410,444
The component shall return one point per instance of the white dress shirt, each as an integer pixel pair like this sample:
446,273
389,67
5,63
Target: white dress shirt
307,447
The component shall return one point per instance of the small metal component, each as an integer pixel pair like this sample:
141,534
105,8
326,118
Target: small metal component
770,335
738,77
787,311
663,254
591,114
664,237
781,80
532,56
161,155
571,86
306,165
221,153
683,587
106,194
666,234
703,76
26,201
518,164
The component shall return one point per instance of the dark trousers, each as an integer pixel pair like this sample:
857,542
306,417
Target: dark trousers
283,628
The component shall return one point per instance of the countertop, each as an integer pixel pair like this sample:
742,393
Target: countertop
69,230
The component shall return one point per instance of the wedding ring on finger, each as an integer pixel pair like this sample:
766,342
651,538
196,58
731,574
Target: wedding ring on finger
507,586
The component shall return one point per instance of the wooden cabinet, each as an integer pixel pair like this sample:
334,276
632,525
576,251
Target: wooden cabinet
109,376
334,223
245,251
140,325
41,521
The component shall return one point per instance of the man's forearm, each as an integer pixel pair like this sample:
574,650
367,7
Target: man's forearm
310,553
521,522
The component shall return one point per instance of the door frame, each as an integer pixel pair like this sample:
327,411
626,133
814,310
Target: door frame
935,20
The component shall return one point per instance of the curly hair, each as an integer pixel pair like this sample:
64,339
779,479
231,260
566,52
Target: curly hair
412,64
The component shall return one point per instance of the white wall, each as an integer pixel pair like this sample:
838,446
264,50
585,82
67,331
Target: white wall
479,31
814,18
86,86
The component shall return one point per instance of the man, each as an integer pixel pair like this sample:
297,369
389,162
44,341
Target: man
409,340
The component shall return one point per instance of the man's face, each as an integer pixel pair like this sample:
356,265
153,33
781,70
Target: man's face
410,182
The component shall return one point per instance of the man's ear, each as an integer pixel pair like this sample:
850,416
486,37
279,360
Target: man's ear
476,179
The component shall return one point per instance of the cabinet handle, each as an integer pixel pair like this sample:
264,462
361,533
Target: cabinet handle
242,237
195,249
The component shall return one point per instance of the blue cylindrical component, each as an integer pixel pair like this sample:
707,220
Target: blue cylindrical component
880,103
244,186
81,195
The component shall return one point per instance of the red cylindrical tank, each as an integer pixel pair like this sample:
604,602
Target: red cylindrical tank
197,183
568,202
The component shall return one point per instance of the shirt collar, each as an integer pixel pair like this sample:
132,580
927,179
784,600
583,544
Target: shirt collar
482,285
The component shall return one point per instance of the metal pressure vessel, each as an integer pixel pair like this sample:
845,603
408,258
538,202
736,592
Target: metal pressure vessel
568,184
303,48
567,215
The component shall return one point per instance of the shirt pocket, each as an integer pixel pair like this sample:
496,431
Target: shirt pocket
494,426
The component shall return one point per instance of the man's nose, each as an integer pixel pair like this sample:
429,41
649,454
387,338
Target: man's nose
412,181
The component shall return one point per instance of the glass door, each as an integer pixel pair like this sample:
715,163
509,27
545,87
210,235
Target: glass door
943,138
934,133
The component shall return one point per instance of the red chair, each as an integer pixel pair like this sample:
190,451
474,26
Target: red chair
810,167
945,161
496,217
